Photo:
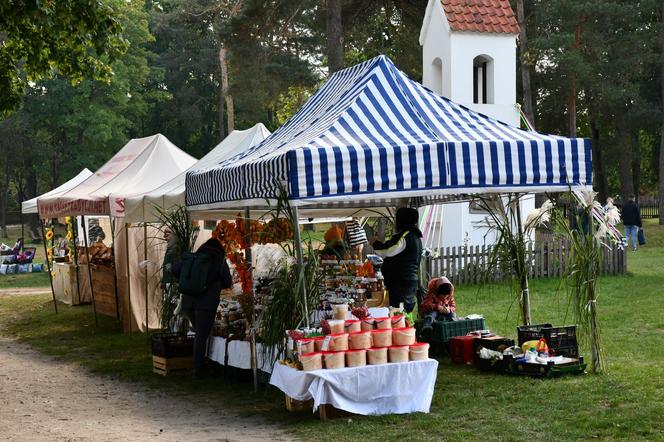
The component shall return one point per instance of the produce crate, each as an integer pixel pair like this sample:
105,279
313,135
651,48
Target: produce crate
172,345
562,340
530,332
164,366
443,331
495,343
295,406
577,366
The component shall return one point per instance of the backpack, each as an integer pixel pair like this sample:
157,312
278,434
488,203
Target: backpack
194,273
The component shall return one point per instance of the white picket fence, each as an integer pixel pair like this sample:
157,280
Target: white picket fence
468,264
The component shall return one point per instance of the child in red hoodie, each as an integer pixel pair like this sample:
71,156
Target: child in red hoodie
439,304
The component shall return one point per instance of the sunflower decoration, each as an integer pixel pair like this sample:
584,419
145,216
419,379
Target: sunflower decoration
70,235
49,235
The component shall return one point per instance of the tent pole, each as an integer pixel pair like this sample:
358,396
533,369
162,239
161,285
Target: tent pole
48,264
252,333
20,215
74,231
300,260
115,273
145,272
129,315
87,255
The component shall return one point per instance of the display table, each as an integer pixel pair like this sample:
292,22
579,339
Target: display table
236,354
397,388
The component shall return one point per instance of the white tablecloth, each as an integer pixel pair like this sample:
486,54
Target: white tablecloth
239,354
405,387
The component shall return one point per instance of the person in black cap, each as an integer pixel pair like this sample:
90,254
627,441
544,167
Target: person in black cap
402,254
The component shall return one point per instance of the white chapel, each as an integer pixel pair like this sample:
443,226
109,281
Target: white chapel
469,56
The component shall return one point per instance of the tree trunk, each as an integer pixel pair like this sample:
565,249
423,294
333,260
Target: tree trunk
223,87
4,194
571,99
601,184
230,109
526,88
625,163
335,39
661,142
571,109
636,164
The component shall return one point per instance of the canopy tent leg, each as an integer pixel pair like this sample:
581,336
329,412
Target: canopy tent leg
300,261
87,255
115,274
525,291
129,318
145,273
252,331
74,231
20,215
48,264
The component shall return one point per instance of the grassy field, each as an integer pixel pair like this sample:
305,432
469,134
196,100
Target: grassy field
624,403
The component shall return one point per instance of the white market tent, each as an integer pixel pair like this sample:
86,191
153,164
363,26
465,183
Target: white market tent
142,207
372,137
141,165
30,206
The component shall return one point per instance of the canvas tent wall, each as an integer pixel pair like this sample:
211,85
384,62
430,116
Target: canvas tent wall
372,137
134,208
141,165
30,206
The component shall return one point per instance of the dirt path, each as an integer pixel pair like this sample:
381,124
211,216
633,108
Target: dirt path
43,399
25,291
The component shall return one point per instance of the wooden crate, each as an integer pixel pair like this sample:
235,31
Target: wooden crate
103,281
295,406
164,366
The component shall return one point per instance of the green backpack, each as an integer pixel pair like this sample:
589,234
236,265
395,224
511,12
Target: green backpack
194,273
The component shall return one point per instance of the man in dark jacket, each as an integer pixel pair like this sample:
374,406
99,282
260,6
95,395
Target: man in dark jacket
402,254
631,215
201,309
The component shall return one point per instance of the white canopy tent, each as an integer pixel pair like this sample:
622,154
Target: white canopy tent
142,207
30,206
141,165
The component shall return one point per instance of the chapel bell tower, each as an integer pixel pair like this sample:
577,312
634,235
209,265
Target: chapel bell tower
469,55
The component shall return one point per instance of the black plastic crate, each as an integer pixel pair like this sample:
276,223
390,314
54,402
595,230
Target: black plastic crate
172,345
577,366
562,340
531,332
495,344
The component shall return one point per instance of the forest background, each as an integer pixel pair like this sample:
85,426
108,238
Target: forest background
194,70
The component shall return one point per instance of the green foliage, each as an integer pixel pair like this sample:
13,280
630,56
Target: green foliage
176,220
74,39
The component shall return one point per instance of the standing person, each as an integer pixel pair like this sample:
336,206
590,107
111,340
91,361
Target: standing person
402,254
201,308
357,238
631,216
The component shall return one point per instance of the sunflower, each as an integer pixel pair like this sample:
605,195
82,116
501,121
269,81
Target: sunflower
68,219
49,235
70,235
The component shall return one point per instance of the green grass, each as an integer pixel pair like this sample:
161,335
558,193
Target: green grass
22,280
624,403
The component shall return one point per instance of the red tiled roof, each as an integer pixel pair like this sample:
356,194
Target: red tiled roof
495,16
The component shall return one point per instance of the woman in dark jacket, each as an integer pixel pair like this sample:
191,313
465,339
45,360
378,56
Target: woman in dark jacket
201,309
402,254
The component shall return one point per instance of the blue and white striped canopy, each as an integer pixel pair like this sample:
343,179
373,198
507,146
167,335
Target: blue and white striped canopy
371,136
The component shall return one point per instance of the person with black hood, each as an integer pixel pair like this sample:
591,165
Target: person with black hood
631,216
201,308
402,254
